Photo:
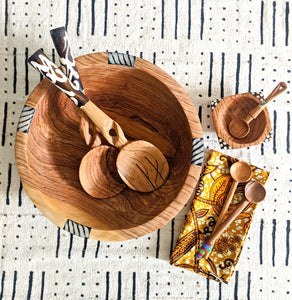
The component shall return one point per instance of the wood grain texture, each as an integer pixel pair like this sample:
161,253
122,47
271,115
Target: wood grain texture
142,166
240,172
239,128
178,92
238,107
254,193
97,172
48,157
110,129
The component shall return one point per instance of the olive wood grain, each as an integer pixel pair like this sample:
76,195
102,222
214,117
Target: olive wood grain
110,129
98,175
254,193
238,106
88,131
48,156
239,128
142,166
152,170
278,90
240,172
97,172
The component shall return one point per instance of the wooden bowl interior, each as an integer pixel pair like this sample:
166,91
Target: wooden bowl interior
144,107
237,107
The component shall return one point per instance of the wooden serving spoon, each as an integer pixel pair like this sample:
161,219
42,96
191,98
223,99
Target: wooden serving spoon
254,192
99,162
140,164
239,128
240,172
104,181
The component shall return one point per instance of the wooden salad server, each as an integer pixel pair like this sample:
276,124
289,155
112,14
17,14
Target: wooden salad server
97,172
104,180
240,172
60,39
254,192
239,128
140,164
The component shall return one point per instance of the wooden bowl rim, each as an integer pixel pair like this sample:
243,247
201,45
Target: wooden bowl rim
226,137
165,215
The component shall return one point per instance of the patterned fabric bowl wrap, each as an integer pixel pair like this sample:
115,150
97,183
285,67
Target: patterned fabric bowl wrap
210,195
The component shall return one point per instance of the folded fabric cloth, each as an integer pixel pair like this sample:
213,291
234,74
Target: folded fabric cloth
209,198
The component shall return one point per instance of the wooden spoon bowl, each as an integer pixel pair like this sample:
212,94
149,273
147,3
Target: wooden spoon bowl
237,107
49,152
100,179
241,171
255,192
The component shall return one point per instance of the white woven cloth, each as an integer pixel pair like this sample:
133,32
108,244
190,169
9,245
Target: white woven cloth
212,48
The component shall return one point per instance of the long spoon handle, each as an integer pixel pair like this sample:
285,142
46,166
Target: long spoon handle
224,208
110,129
60,38
221,228
279,89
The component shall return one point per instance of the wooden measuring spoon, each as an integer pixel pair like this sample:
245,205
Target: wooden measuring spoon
240,172
239,128
254,192
103,180
140,164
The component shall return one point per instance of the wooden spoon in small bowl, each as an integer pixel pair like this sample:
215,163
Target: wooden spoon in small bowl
141,165
99,162
239,128
240,172
255,193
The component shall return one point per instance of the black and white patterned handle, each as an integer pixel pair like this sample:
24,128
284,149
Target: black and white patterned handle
48,69
60,39
110,129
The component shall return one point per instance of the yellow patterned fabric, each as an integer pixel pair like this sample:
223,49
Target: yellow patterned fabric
210,195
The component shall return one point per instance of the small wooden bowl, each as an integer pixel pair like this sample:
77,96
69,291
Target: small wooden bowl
237,107
149,105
